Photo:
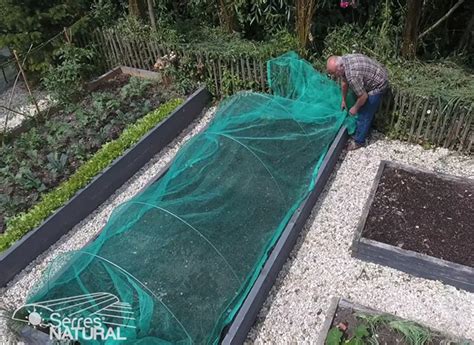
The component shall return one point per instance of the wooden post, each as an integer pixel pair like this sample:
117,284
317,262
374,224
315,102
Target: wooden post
26,83
67,36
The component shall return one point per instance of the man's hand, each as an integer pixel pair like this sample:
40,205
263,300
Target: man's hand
343,105
353,111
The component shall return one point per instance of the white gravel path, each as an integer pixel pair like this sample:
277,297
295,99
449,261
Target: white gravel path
320,266
21,102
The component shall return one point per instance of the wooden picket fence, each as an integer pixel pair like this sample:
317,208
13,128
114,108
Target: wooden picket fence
428,121
211,67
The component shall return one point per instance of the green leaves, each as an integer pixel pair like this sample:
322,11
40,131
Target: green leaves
20,224
334,336
337,337
65,80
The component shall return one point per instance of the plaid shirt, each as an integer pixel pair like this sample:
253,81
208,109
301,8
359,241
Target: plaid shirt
364,74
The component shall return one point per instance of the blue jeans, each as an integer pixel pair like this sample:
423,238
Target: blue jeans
366,117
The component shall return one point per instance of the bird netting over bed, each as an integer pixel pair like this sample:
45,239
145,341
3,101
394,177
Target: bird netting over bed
174,264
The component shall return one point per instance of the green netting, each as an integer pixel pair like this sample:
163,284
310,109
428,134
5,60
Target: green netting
185,252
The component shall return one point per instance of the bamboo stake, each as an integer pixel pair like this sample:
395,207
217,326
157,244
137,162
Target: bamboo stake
262,77
220,71
429,124
218,91
118,54
415,117
422,120
466,130
27,84
242,68
438,116
248,68
121,48
408,116
452,117
66,35
449,138
254,65
460,123
446,116
400,114
395,104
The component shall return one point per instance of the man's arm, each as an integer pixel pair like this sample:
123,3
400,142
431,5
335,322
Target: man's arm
359,103
344,89
357,85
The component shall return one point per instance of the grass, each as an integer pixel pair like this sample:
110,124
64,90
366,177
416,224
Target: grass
24,222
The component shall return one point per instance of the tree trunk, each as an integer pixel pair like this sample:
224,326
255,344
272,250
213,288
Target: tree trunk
137,8
227,15
151,13
305,10
410,31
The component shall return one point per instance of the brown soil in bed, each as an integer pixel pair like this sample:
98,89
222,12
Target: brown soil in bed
424,213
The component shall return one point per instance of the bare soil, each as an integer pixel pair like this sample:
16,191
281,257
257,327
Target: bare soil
425,213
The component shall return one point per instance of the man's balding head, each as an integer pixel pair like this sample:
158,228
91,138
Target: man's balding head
334,66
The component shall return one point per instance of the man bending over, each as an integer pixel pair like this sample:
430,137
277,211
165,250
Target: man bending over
369,81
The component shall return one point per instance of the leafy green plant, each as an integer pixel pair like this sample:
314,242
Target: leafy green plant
22,223
65,80
135,87
231,83
56,162
337,337
26,178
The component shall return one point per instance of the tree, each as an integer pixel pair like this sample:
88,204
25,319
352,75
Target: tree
31,22
442,19
411,28
304,15
227,15
137,8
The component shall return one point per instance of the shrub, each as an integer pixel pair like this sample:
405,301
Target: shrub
65,80
22,223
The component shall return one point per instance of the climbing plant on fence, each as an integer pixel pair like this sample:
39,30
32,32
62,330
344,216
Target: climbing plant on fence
408,113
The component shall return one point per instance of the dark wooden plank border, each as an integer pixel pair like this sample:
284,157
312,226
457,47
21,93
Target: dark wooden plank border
237,332
337,302
331,313
25,250
408,261
94,84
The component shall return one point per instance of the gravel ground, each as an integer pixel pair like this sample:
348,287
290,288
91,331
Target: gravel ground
20,102
320,265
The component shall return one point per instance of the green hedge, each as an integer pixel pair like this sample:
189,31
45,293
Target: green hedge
24,222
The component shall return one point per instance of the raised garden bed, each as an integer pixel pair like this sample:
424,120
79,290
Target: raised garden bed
237,331
351,323
49,152
419,222
20,254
